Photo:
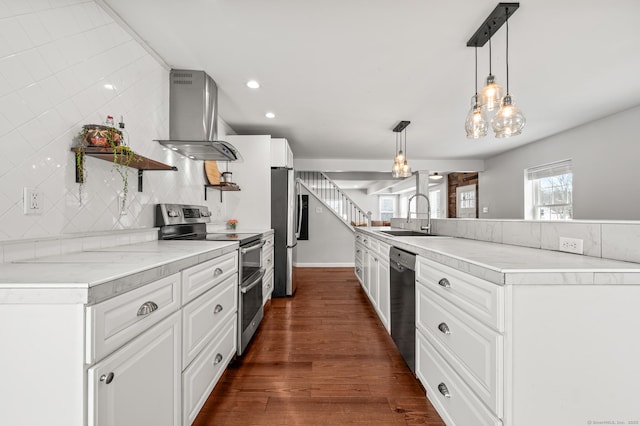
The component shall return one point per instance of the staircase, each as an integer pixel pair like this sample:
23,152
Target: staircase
334,199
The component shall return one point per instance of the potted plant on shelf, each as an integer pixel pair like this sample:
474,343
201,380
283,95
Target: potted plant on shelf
105,136
231,224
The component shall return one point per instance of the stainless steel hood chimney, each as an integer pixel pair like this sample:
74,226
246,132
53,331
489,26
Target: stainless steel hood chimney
193,118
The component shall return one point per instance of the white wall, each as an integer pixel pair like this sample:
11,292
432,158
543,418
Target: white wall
251,206
55,58
605,157
330,242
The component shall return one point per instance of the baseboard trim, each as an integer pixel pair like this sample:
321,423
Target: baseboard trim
324,265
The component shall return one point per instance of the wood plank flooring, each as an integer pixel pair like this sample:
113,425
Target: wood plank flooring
320,358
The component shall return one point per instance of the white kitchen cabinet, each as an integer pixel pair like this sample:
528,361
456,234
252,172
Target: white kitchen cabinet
199,379
139,384
267,264
281,154
525,354
371,258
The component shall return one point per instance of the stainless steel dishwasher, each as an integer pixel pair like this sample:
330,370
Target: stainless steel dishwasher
403,303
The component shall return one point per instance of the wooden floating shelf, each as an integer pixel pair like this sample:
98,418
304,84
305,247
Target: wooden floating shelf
107,154
222,188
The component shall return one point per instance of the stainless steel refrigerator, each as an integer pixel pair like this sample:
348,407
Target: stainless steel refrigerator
284,222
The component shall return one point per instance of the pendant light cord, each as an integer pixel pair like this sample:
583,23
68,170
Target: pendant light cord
475,79
507,22
490,55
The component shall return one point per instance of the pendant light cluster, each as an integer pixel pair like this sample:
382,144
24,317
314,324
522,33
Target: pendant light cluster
400,166
508,120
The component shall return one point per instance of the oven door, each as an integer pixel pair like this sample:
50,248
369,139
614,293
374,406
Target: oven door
250,309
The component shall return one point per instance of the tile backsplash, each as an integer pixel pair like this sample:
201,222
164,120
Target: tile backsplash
65,63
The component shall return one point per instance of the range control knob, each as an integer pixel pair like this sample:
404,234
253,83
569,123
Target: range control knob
173,213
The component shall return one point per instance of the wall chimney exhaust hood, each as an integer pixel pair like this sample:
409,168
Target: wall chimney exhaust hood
193,118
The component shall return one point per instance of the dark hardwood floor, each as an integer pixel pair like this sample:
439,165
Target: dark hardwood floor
320,358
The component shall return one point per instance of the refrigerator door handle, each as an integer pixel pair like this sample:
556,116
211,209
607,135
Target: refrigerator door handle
299,195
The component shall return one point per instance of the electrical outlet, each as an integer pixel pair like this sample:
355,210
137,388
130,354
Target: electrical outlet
32,201
571,245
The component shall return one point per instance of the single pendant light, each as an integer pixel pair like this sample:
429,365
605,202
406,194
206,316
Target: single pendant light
509,120
397,166
406,168
476,123
492,92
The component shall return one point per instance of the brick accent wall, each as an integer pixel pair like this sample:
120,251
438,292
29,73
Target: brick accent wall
456,180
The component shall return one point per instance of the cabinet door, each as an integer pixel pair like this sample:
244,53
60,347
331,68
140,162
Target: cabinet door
140,383
373,280
384,310
365,271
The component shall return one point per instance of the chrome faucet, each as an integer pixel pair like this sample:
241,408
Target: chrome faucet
420,194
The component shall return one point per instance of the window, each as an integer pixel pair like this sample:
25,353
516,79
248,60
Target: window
434,198
387,207
549,191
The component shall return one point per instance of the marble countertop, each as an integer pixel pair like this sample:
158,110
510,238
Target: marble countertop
96,275
508,264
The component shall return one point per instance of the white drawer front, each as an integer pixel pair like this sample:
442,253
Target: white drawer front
199,379
372,244
359,251
461,407
473,349
203,317
202,277
114,322
383,249
268,242
267,258
267,286
479,298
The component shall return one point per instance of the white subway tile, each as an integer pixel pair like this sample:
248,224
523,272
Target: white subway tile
526,234
47,248
489,230
53,57
14,35
621,242
14,72
31,95
19,251
15,110
34,28
35,64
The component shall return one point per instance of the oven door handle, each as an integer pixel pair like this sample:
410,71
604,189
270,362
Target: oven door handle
247,249
244,289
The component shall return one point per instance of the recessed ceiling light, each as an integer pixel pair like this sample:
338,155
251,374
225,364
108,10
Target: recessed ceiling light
110,87
252,84
435,176
270,115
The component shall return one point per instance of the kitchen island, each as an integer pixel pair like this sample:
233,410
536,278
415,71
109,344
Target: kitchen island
132,334
509,335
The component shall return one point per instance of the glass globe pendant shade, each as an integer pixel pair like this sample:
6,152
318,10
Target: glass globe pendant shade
509,120
400,158
490,94
406,170
396,169
476,124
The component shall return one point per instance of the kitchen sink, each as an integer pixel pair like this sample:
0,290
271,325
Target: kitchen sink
405,233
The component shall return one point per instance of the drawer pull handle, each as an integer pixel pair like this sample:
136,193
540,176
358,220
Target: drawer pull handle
147,308
366,240
442,388
444,283
218,359
444,328
107,378
218,309
217,272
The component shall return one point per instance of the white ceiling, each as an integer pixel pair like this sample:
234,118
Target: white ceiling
340,74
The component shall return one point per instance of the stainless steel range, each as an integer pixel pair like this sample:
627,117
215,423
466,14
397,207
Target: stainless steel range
187,222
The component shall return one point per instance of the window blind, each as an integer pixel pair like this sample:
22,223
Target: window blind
549,170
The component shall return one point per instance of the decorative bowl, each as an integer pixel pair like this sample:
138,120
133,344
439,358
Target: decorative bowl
100,135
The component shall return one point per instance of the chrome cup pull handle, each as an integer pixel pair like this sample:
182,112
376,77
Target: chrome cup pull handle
147,308
107,378
218,309
444,283
218,359
442,388
444,328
